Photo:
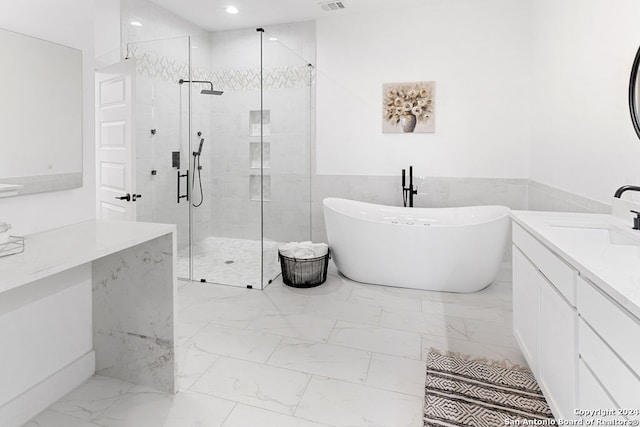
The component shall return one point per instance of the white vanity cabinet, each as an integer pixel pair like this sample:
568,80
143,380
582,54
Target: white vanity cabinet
545,319
582,345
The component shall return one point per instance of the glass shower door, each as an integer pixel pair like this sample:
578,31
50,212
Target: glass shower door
161,115
226,220
286,150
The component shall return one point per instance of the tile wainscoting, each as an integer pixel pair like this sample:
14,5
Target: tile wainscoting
437,192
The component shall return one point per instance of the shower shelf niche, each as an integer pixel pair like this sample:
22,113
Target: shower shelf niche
254,123
254,155
254,188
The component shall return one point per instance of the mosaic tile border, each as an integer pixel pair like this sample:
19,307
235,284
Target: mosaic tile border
150,64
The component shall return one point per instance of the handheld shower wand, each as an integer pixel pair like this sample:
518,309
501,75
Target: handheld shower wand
198,168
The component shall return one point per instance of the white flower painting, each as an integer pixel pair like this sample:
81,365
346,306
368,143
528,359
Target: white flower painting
408,107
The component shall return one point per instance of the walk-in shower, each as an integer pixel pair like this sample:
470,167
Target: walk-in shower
246,156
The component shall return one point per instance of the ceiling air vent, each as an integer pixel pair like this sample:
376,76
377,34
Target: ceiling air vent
329,6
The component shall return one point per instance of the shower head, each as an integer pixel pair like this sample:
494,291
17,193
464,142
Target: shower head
203,91
211,92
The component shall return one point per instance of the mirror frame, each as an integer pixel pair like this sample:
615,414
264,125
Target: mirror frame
633,93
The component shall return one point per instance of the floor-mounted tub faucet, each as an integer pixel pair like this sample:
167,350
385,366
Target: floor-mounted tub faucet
408,192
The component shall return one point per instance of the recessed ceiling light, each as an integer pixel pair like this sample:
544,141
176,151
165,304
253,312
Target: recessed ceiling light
136,23
232,10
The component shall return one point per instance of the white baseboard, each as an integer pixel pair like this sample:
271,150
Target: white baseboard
39,397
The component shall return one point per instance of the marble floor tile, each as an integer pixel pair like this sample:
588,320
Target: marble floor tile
238,343
339,403
192,363
496,333
376,339
507,356
249,416
322,359
222,313
254,384
51,418
344,310
275,302
334,289
92,398
143,407
378,296
425,323
340,354
495,313
184,302
397,374
294,325
504,273
184,331
212,292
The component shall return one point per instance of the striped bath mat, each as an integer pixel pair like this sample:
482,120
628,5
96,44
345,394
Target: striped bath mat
462,392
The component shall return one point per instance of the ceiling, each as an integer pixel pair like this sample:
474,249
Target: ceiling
211,15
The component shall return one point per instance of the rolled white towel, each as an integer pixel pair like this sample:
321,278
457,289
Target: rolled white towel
304,250
4,232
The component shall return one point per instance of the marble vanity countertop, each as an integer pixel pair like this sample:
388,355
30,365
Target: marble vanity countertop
614,268
52,251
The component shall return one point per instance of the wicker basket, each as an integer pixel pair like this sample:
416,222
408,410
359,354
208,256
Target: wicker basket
304,273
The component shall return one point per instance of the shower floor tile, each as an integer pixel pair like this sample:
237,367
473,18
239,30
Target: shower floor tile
230,261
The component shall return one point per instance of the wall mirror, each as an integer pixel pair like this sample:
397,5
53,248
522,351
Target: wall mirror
40,115
634,93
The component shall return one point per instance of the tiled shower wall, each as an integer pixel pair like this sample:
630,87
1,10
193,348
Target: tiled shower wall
236,180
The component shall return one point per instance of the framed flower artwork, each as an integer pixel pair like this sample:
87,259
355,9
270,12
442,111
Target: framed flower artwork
408,107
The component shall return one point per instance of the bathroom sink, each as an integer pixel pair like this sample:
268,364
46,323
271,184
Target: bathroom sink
595,235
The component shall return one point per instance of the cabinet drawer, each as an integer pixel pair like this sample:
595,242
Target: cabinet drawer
619,329
616,378
557,271
591,394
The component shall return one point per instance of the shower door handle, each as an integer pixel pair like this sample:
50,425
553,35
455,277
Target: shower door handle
183,196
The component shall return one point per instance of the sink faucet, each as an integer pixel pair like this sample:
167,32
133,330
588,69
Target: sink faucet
408,192
624,188
619,191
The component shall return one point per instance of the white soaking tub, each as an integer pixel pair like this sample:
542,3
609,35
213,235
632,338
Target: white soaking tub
438,249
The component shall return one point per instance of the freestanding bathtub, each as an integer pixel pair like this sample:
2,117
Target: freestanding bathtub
438,249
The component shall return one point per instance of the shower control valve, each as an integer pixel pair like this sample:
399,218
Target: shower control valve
636,220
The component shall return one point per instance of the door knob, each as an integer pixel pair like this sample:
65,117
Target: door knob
127,197
135,197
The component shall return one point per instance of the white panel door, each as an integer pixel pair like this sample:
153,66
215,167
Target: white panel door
115,155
